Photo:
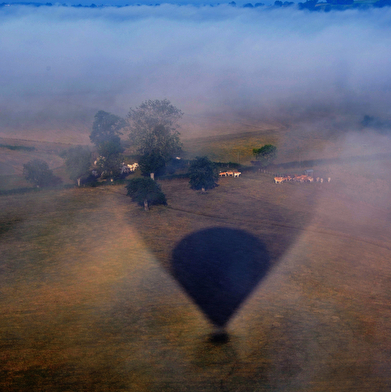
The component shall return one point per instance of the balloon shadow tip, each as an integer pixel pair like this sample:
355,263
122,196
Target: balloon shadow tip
218,338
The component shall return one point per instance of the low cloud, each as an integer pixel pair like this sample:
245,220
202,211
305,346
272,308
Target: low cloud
282,65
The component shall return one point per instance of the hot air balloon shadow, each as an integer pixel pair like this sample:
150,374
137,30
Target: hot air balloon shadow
219,268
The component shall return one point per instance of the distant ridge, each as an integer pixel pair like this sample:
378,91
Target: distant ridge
309,5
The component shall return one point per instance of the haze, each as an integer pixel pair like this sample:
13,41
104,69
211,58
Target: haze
60,65
97,294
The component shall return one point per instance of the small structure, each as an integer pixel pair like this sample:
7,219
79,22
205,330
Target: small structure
309,173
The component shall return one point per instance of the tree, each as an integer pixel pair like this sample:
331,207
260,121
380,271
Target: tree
203,174
105,135
151,163
145,191
110,157
265,154
38,173
106,127
153,128
77,163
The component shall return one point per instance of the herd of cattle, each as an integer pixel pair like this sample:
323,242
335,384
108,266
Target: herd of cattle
125,169
302,178
230,174
280,179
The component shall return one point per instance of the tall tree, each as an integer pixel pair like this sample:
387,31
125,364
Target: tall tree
203,174
106,127
153,127
110,160
145,191
38,173
78,163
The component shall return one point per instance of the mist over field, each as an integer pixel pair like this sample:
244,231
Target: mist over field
97,294
60,65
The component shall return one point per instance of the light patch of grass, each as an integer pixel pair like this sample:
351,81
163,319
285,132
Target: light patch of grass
232,147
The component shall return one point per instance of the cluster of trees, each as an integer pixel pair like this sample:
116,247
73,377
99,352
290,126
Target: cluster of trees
152,131
145,191
153,135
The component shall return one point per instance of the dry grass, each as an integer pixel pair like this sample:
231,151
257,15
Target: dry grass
12,161
88,303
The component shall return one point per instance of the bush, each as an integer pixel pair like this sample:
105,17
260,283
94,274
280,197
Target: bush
146,191
203,174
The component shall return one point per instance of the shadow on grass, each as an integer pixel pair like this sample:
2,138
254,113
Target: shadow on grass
219,268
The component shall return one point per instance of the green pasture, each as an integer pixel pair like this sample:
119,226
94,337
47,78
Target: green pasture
232,147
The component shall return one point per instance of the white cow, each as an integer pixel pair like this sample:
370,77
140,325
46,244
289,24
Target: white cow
133,167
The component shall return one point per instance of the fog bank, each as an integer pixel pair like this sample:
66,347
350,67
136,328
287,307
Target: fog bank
280,66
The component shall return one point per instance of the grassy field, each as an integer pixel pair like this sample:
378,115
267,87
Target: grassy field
89,302
229,147
12,160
